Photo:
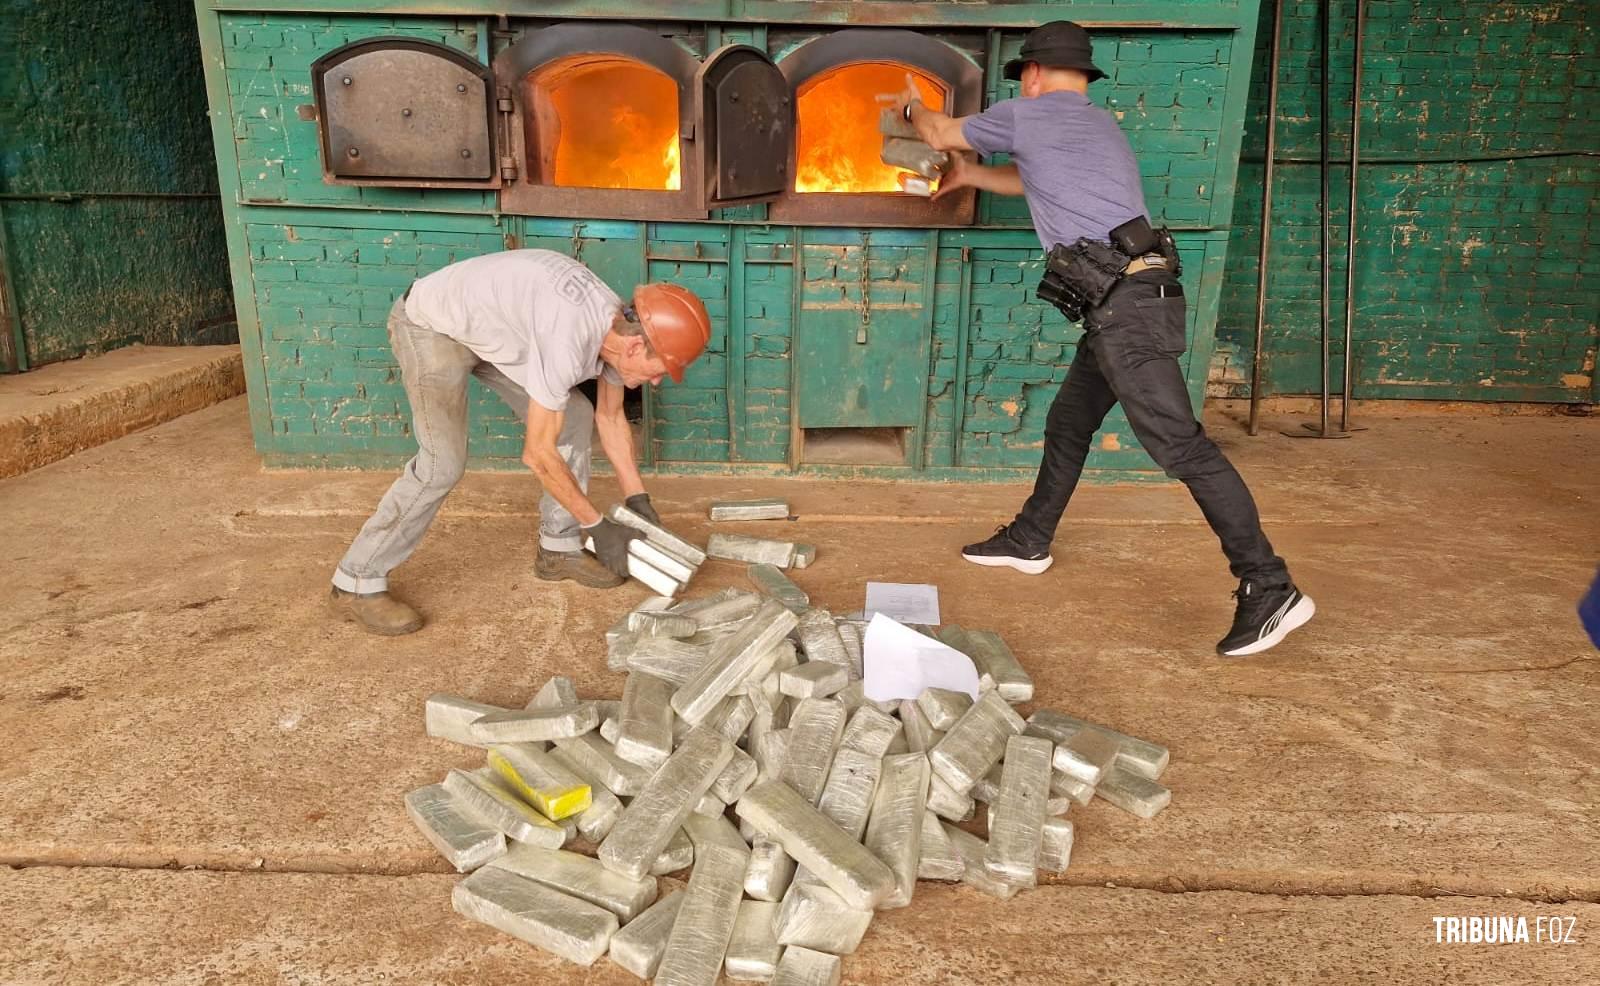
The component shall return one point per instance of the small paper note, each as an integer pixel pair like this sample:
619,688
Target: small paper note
900,663
905,602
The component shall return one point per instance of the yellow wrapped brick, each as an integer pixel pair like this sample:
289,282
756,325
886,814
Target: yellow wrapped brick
548,786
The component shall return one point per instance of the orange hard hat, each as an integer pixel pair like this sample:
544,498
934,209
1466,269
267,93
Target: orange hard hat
675,322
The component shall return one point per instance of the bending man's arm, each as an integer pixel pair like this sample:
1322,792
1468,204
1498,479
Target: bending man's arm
539,454
616,437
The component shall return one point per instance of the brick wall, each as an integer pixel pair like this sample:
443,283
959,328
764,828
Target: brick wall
1475,279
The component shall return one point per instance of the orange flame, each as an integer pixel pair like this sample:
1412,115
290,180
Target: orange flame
838,140
615,124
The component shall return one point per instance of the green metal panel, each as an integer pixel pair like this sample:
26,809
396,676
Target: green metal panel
113,231
863,343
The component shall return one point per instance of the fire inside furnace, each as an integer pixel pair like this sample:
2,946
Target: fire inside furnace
605,123
838,140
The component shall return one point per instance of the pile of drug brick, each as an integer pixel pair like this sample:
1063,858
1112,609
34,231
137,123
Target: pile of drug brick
753,701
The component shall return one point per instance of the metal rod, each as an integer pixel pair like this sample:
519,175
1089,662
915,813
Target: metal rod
1346,391
1327,56
1266,223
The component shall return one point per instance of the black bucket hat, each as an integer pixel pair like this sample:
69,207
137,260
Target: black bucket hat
1058,44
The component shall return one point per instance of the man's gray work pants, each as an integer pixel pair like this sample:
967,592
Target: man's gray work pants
436,371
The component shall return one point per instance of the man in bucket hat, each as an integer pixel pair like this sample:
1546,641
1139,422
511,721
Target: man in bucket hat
1072,162
531,325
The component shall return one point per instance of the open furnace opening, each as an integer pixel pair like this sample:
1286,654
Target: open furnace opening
603,122
838,143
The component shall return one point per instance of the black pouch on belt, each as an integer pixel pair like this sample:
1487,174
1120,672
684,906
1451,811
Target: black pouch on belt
1168,249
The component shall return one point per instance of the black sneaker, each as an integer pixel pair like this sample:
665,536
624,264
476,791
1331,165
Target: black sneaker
1003,551
1265,615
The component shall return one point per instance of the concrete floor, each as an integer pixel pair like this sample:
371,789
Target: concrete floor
202,777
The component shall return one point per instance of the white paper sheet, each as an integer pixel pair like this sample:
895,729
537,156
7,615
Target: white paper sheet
898,663
905,602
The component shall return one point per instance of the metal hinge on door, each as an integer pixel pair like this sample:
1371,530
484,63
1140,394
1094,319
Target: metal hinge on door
866,289
502,106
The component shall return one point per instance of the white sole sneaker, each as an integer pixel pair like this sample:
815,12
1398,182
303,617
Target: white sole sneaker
1298,616
1023,565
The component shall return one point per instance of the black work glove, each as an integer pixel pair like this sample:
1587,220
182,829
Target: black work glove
639,503
611,544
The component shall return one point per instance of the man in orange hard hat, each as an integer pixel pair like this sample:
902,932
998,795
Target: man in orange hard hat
531,325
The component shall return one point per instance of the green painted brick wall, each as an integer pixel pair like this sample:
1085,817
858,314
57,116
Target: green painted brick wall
112,229
322,264
1475,279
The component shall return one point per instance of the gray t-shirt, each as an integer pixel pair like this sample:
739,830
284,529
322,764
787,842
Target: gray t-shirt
538,315
1077,169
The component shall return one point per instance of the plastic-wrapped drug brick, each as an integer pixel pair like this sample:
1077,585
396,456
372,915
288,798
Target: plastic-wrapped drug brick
735,778
604,809
1019,812
487,800
814,733
817,843
943,707
679,855
1062,786
850,637
1055,846
805,555
1010,679
536,725
689,607
641,570
766,509
753,950
580,876
736,607
955,636
894,833
556,693
847,796
946,802
644,724
976,742
731,717
450,717
1142,757
812,916
755,551
700,936
461,838
713,830
659,536
566,926
748,653
775,584
813,679
547,785
939,859
661,808
651,604
638,946
819,638
1087,755
770,871
869,731
805,967
660,560
1133,792
972,850
600,762
671,660
662,624
771,753
921,737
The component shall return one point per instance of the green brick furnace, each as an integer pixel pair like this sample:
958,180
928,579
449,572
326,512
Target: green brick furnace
856,332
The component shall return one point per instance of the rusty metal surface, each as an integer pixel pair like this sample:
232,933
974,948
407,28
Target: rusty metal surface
399,108
744,126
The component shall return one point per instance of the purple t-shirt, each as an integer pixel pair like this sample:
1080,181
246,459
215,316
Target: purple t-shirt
1077,169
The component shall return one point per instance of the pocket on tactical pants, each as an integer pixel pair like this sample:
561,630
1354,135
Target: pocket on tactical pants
1163,319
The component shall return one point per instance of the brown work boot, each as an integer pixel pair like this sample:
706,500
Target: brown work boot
579,566
377,612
